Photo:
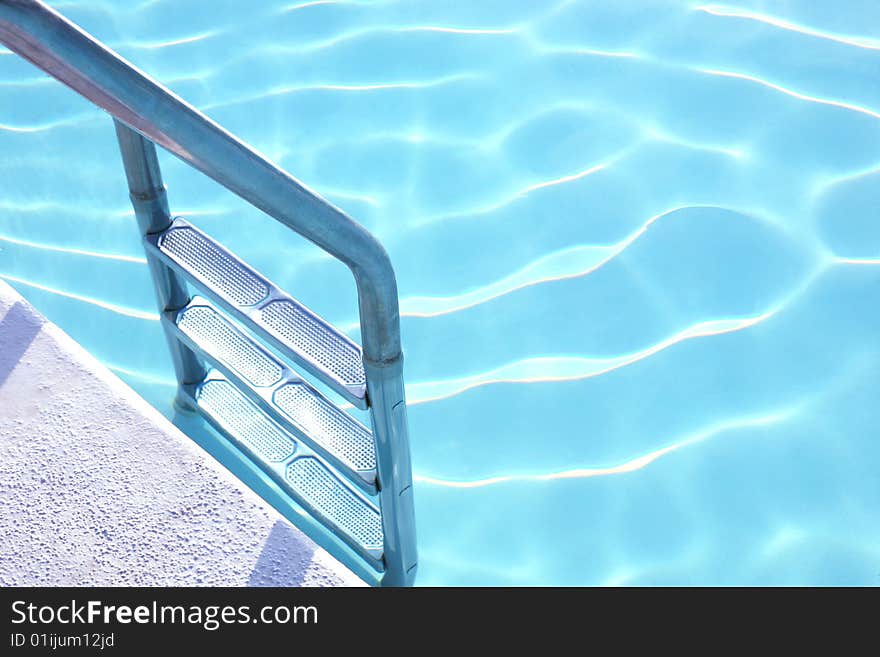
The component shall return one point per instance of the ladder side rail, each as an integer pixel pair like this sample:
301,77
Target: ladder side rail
37,33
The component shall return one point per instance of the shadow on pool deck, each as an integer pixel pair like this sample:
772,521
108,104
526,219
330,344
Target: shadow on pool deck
282,558
18,328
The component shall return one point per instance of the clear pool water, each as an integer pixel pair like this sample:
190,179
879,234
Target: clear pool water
638,250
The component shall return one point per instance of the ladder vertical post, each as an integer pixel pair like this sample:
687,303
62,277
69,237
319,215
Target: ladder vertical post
150,202
390,431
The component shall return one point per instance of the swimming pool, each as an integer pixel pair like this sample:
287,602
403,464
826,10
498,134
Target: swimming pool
637,249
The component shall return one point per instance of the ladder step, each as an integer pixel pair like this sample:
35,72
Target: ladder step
284,396
300,472
288,325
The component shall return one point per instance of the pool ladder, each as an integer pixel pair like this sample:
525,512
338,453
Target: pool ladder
238,346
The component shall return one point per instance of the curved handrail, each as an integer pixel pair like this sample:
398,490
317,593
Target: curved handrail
52,43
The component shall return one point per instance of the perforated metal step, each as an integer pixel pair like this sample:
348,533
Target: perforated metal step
287,398
288,325
302,473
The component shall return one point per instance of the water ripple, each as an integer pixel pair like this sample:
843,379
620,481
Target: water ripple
157,45
64,122
631,465
366,87
789,92
119,310
359,33
857,261
736,12
566,264
72,251
570,368
315,3
455,30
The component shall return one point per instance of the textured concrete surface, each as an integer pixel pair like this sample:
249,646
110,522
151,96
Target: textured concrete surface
98,488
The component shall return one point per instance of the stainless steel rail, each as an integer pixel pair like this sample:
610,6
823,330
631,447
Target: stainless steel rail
52,43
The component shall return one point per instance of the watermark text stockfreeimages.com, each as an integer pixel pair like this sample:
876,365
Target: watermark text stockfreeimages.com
210,617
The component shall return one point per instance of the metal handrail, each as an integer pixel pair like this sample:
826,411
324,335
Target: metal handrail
67,53
39,34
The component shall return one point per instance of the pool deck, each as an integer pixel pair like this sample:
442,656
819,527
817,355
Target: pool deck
97,488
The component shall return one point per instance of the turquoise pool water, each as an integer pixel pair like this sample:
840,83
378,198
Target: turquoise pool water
637,244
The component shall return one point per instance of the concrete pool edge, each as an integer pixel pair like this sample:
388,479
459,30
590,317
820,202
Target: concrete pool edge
97,488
